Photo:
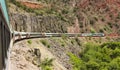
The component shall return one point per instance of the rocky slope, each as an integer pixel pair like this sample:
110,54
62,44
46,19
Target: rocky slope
30,54
66,16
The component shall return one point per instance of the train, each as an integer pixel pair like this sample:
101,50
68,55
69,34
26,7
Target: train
92,34
5,40
20,35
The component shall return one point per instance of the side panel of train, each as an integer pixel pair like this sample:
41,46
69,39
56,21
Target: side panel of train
5,37
92,34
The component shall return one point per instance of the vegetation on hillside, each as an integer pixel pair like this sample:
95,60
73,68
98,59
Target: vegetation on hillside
93,16
45,43
97,57
29,42
22,6
46,64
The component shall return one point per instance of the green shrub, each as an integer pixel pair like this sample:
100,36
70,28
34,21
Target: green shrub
48,46
65,11
77,41
103,66
72,41
101,31
103,19
92,22
111,45
92,30
110,24
92,65
96,19
47,68
63,45
76,62
97,57
115,53
45,43
46,64
29,42
114,64
118,17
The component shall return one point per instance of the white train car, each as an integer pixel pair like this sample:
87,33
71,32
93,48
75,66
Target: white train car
92,34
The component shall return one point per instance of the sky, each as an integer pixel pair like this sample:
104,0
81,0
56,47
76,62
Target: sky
3,4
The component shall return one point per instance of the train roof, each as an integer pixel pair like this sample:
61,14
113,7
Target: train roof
4,9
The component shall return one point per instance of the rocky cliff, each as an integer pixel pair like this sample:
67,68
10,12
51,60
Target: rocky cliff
39,23
66,15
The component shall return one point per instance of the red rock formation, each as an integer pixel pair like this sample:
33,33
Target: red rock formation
32,5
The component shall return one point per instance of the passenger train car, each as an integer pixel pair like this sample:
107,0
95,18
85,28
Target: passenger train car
5,37
92,34
42,35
